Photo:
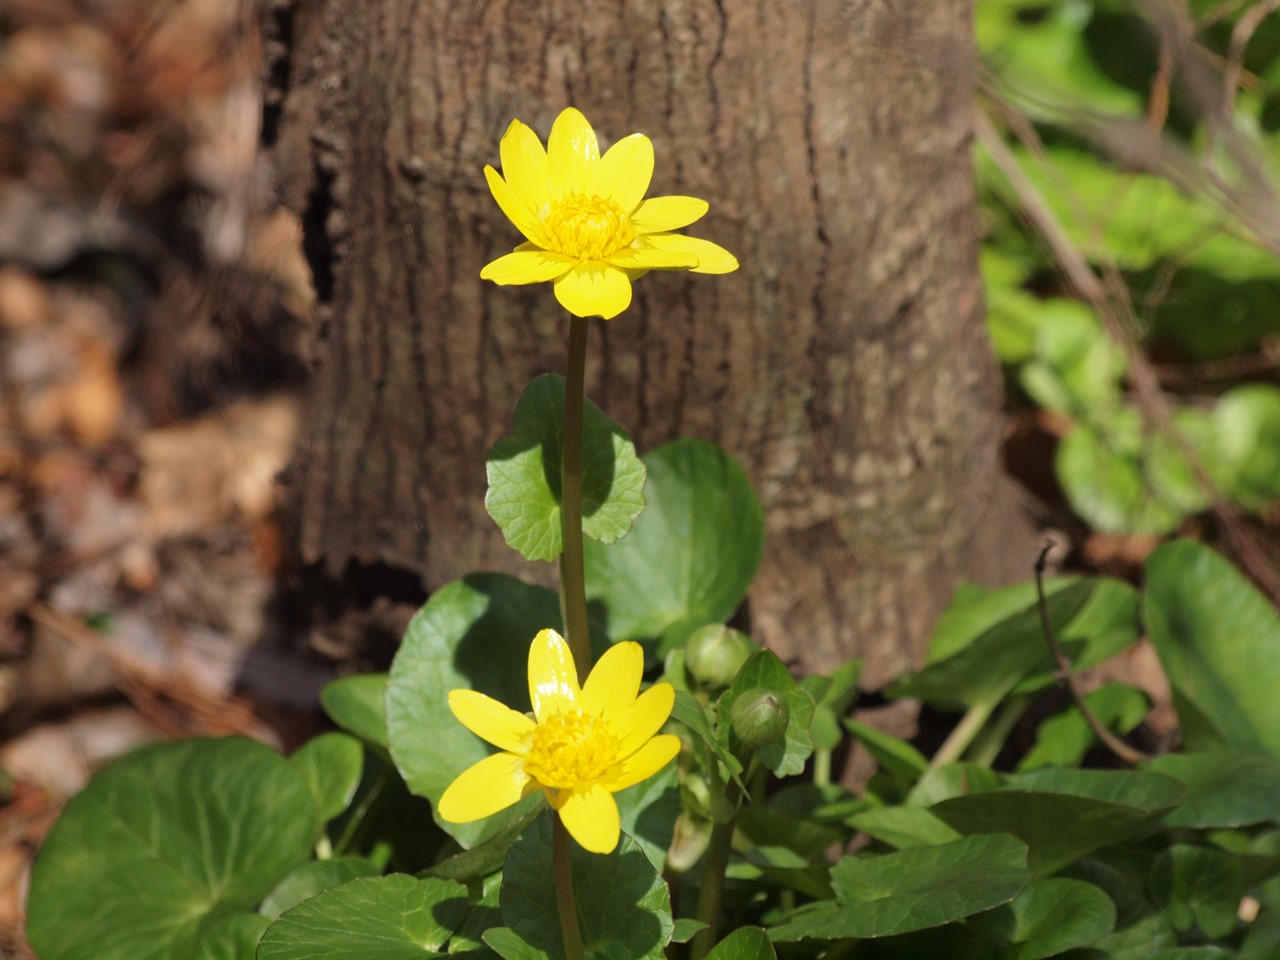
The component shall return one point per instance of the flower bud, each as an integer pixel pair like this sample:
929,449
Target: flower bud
715,653
759,718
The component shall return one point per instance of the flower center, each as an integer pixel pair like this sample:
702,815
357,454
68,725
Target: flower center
569,749
588,228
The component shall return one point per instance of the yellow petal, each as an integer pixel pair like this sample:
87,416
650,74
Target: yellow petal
658,214
711,257
572,153
591,817
524,165
594,290
483,789
614,680
644,763
527,266
624,172
652,258
553,678
491,720
640,721
515,208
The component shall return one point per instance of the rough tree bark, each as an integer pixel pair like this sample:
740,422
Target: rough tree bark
844,365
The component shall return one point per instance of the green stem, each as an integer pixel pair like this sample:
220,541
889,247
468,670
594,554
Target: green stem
963,734
712,889
713,868
987,745
573,590
821,768
565,902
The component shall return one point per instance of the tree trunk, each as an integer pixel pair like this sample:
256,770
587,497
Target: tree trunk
844,365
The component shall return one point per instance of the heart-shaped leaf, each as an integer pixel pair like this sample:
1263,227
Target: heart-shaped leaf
912,889
524,474
331,764
1103,807
161,843
357,704
690,556
1223,789
372,918
311,878
624,909
473,633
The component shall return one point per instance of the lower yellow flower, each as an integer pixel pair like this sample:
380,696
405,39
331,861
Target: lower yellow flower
582,745
587,225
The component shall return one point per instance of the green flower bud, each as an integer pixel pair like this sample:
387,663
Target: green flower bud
715,653
759,718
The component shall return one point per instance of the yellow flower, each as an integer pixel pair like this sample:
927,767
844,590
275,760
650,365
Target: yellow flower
587,223
582,745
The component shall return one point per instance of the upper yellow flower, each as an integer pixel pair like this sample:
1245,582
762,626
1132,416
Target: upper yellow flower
582,745
588,225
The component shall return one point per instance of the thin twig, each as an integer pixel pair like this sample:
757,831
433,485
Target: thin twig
1241,34
1113,743
149,689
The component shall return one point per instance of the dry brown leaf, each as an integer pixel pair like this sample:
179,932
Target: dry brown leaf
93,403
24,299
196,475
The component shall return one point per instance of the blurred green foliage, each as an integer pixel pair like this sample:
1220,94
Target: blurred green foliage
1164,177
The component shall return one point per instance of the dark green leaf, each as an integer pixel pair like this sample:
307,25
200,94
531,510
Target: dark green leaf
1103,807
163,840
1193,953
372,918
648,813
685,929
1262,942
952,780
1218,640
311,878
524,474
233,937
745,943
912,890
1199,887
1223,789
1053,916
1140,940
903,826
485,857
690,556
473,633
623,905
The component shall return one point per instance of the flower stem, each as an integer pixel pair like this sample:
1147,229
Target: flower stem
713,867
573,595
988,744
565,901
958,742
712,889
822,768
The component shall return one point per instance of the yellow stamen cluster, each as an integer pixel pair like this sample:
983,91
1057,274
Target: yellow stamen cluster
571,748
587,227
